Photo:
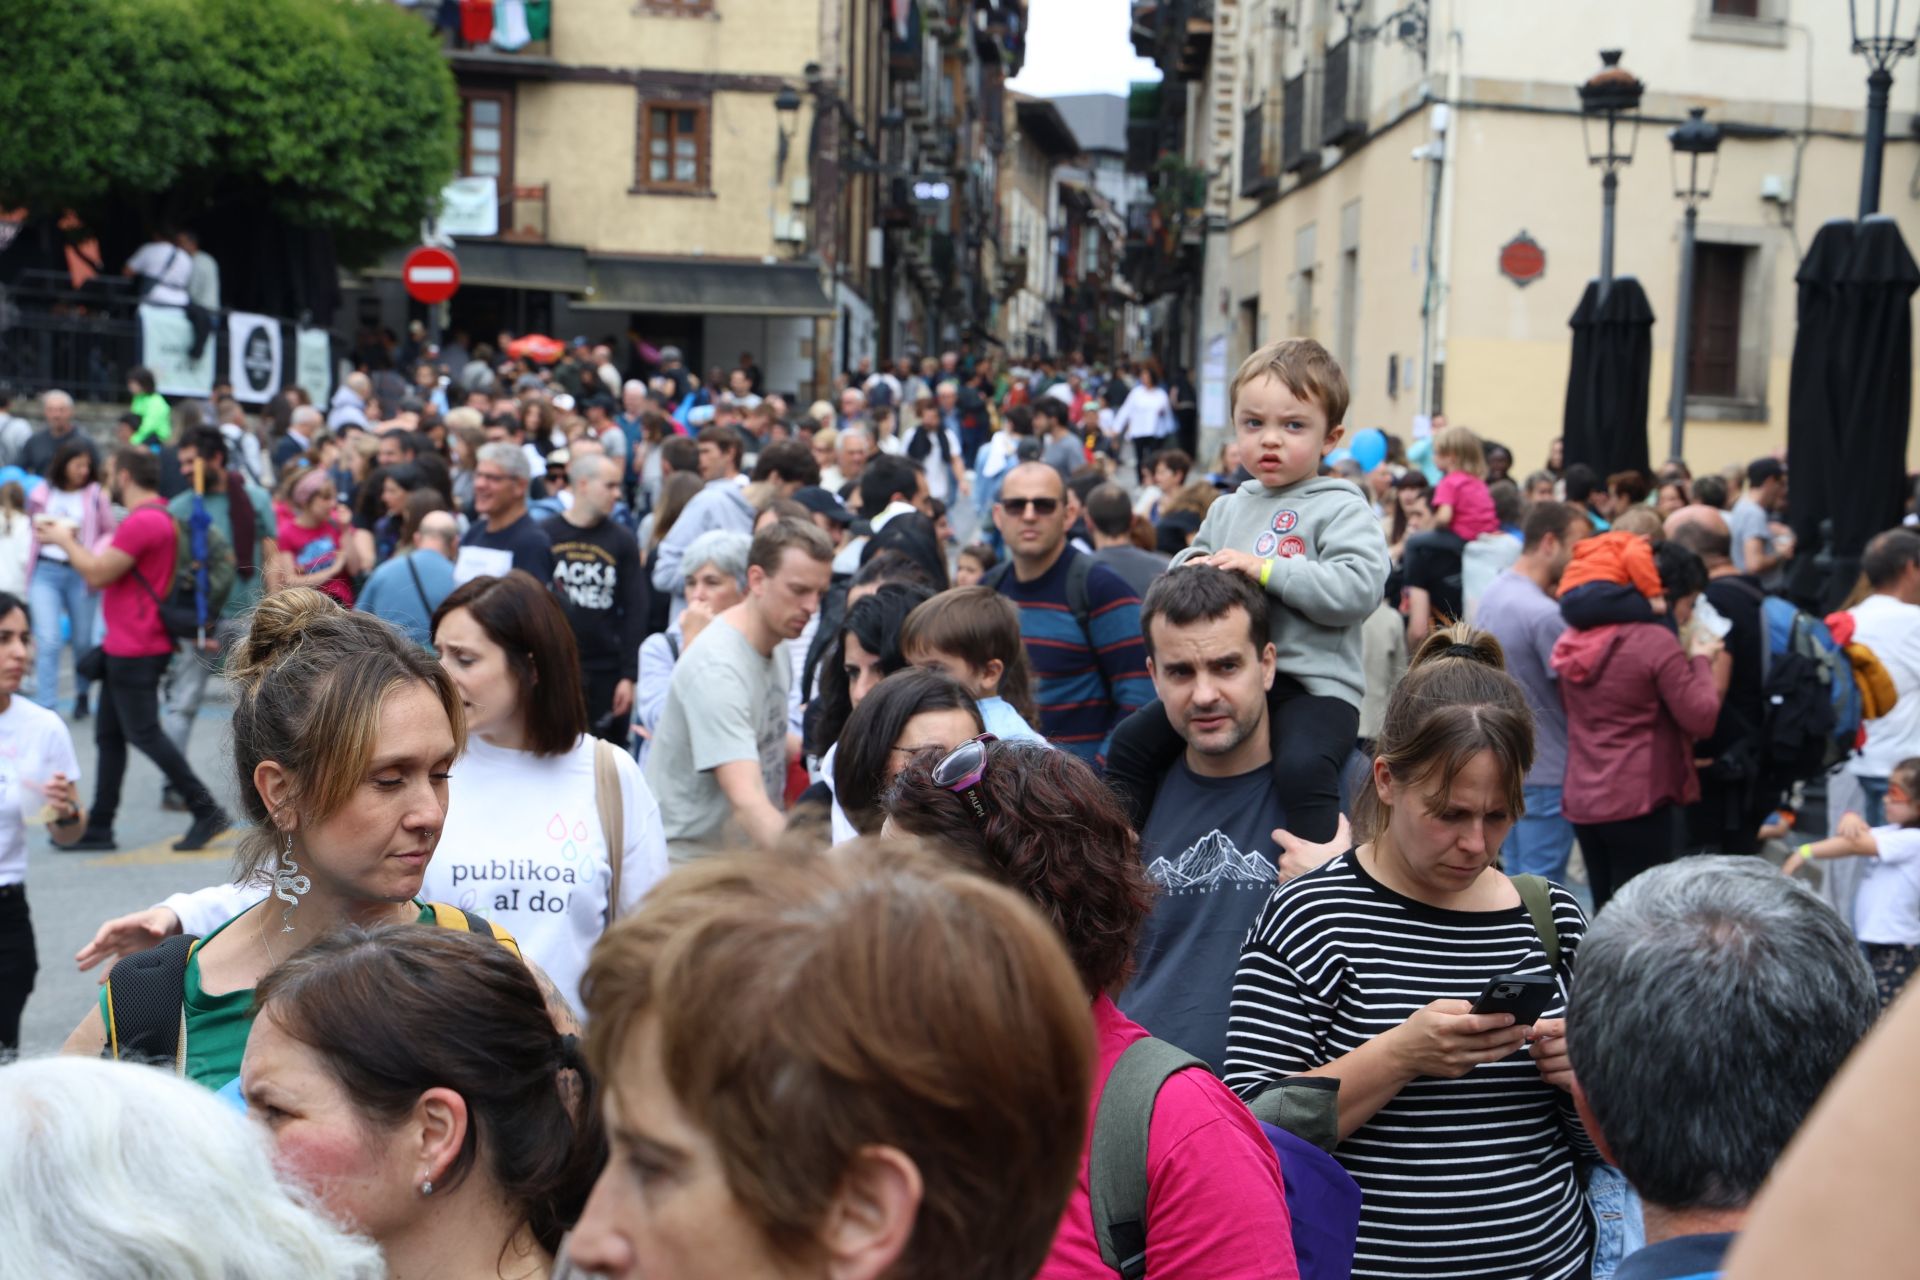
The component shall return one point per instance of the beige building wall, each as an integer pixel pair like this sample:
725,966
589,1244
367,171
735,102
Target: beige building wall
1519,163
755,37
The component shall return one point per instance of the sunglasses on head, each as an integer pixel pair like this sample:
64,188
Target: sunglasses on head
1041,506
961,770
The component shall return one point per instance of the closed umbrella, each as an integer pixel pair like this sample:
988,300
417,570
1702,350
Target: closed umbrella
1605,423
1813,397
198,522
1876,345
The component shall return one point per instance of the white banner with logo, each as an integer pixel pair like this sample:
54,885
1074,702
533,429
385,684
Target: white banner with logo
254,344
313,364
166,339
470,207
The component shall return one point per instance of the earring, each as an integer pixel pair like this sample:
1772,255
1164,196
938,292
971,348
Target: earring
289,884
426,1188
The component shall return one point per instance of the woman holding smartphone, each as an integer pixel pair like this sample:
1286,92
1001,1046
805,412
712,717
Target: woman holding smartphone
1459,1126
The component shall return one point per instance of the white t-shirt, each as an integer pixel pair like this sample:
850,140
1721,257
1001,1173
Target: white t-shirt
1886,906
1892,630
64,504
16,547
34,745
167,264
523,848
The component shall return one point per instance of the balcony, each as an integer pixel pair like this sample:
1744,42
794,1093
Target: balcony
475,43
1196,40
1257,176
1342,112
1146,26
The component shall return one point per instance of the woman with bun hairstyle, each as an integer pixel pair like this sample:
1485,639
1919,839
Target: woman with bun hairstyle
1459,1127
344,732
413,1081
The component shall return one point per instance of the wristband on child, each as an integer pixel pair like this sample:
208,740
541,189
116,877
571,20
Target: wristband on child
1266,570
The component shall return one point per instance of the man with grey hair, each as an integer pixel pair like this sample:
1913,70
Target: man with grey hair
37,454
1716,998
505,537
303,428
850,453
597,577
410,586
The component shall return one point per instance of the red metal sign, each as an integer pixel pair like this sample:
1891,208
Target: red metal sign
1522,260
431,275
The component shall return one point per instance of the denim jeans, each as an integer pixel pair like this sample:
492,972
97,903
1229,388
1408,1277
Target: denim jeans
1542,841
58,586
187,680
1873,804
1619,1229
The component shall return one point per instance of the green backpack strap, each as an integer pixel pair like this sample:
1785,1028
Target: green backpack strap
1307,1107
1537,896
1117,1164
146,1003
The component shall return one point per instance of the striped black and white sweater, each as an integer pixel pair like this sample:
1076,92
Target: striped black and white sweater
1467,1179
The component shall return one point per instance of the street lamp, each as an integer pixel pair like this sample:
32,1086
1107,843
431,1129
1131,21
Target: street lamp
1697,139
1882,44
1610,94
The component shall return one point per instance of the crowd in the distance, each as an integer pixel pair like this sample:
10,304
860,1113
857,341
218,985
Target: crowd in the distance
943,833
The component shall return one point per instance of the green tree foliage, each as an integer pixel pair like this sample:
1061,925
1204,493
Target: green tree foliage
338,114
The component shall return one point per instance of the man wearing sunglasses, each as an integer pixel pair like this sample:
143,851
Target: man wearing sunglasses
1079,619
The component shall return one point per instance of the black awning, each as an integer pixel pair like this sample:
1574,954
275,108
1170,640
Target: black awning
506,264
683,286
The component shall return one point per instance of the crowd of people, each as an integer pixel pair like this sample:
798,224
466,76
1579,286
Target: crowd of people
943,831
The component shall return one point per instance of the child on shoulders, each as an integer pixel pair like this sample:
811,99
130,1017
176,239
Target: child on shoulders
1313,544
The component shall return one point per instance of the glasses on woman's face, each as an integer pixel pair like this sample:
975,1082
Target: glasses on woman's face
962,769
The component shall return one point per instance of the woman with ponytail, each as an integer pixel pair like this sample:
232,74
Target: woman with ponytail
1459,1127
414,1082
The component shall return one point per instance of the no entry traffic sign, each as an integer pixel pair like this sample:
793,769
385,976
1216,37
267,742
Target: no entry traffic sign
431,275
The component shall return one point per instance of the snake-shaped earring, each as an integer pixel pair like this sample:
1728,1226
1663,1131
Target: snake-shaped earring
289,884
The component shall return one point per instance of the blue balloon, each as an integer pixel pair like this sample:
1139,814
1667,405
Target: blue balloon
12,473
1369,448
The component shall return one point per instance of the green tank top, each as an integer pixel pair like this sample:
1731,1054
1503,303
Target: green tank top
217,1026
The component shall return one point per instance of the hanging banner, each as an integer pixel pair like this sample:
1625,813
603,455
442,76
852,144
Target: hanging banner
470,207
166,344
254,345
313,364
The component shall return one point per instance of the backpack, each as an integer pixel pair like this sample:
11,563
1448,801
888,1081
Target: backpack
180,611
1814,709
1077,602
1297,1117
146,1009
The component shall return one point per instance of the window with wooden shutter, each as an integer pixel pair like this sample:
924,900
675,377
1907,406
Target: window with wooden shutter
673,147
1719,284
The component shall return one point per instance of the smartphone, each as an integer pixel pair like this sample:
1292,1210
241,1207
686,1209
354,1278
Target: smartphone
1524,995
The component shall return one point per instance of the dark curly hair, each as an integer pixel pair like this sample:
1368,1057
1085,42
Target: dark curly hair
1053,831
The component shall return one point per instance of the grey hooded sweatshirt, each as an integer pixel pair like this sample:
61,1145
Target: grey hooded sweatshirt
1329,572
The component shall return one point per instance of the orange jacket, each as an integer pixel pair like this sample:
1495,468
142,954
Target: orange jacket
1622,558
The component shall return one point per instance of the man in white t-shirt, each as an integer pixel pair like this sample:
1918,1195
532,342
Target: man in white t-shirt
1888,622
719,756
165,270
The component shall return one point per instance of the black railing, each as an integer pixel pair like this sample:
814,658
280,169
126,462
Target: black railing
1256,176
1338,121
1294,146
83,341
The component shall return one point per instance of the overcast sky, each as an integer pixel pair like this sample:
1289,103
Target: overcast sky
1080,46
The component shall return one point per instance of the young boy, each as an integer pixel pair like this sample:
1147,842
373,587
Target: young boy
973,634
1312,542
1611,579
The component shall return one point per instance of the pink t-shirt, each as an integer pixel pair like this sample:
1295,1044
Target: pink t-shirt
1472,504
134,629
1216,1208
313,550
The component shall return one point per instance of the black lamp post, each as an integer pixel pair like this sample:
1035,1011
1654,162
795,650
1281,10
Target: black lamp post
1610,94
1883,43
1696,140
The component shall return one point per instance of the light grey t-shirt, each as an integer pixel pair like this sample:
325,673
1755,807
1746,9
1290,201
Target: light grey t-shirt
1748,519
725,703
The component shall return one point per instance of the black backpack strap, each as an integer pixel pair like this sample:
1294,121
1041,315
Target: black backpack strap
1536,895
996,575
1077,574
673,646
146,1005
1117,1161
